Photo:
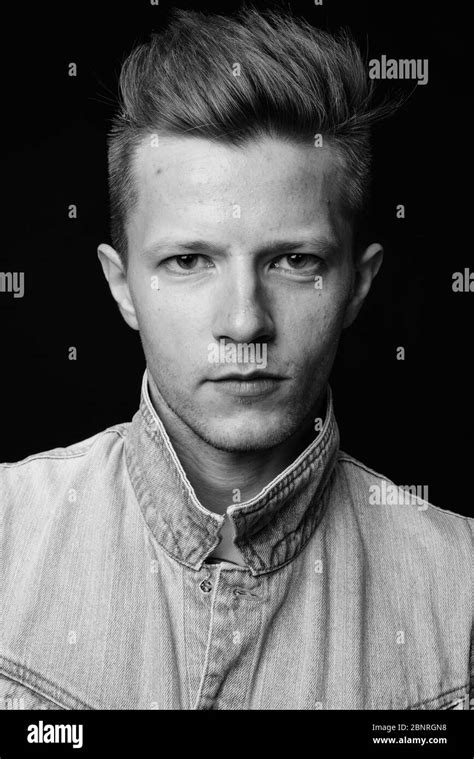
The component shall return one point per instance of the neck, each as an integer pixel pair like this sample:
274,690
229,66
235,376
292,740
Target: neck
222,477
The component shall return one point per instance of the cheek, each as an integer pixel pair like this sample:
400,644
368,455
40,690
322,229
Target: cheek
315,321
169,329
321,339
149,301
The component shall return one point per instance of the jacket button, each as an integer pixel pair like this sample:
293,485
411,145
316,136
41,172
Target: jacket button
206,586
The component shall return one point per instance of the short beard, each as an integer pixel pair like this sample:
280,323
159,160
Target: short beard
294,425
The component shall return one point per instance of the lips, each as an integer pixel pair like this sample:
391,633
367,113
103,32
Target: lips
253,384
247,377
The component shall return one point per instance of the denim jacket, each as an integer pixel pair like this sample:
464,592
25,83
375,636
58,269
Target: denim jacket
108,601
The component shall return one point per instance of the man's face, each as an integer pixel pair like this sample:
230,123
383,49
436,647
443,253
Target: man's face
234,246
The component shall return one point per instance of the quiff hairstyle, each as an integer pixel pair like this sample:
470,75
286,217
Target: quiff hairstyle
295,81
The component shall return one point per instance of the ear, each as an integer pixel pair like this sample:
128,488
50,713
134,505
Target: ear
366,267
116,276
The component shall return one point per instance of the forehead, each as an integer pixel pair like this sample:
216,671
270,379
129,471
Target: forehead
268,183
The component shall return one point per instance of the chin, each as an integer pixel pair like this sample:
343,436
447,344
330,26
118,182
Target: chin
258,436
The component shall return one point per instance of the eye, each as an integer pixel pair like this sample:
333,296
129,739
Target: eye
303,263
189,263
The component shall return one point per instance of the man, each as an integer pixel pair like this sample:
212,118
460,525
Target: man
220,551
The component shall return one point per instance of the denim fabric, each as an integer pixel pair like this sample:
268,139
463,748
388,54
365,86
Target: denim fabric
108,601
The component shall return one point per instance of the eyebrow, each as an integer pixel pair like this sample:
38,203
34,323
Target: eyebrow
182,247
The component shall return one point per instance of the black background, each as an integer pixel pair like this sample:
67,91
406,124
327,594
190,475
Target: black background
411,419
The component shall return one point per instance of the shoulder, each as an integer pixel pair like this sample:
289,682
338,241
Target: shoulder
76,450
50,499
43,475
380,504
104,438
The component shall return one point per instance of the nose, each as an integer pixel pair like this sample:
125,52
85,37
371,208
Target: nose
242,310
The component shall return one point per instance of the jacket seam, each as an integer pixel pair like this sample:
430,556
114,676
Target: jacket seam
32,690
19,674
209,642
461,689
49,455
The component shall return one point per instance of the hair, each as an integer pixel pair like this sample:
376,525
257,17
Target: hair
295,81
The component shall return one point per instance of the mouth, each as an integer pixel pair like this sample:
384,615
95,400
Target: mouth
250,384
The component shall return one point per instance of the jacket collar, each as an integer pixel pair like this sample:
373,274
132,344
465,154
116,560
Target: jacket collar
271,529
